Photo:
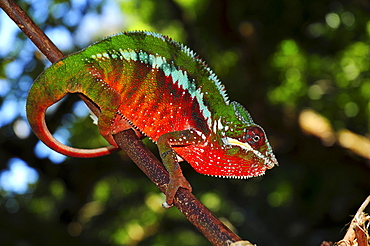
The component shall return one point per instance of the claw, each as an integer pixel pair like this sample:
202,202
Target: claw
165,205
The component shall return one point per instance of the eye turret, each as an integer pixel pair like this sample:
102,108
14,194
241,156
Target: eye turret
255,136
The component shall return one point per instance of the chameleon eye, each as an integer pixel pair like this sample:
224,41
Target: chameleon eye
255,136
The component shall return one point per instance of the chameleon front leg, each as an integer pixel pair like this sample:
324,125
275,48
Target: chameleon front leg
170,159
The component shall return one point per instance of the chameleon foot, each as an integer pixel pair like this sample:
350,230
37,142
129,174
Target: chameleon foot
173,186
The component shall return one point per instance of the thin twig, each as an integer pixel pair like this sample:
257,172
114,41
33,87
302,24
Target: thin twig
33,32
39,38
350,236
210,226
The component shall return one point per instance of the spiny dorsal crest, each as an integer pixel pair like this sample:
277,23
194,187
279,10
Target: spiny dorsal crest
190,53
242,113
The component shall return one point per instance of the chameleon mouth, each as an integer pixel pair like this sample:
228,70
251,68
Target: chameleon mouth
271,161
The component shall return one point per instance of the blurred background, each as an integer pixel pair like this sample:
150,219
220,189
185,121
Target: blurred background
300,67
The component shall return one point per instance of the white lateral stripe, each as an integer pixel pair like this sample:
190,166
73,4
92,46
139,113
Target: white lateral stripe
233,141
247,147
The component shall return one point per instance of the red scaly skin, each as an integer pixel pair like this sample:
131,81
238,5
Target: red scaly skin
160,88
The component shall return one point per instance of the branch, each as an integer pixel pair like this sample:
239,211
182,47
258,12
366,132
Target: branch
32,31
211,227
39,38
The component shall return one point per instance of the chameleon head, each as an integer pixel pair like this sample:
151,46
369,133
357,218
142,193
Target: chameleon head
255,145
236,147
247,143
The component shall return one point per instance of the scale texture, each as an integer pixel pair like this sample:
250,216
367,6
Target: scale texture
160,88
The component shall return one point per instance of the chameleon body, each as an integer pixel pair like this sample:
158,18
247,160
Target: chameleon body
161,89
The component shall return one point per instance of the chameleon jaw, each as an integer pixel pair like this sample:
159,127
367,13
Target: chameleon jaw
269,162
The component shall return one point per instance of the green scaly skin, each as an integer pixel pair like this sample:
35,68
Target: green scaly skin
160,88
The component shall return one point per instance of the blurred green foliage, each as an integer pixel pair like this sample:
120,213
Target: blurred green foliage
275,57
325,82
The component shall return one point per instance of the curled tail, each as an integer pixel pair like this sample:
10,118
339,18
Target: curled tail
49,88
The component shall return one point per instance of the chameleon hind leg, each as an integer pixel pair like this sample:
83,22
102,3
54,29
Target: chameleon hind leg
118,124
170,159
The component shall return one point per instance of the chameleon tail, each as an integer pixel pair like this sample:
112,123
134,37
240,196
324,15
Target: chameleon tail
42,95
